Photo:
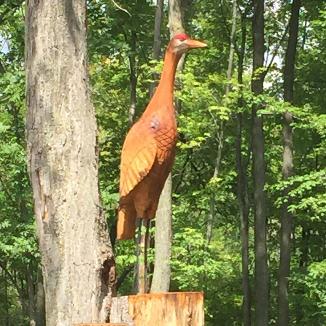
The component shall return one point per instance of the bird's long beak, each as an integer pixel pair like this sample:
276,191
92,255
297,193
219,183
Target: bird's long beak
192,44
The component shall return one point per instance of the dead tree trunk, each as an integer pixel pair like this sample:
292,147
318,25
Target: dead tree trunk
163,240
175,17
257,86
163,233
287,169
77,261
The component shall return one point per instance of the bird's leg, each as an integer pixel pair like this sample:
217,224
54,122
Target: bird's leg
147,223
141,243
137,253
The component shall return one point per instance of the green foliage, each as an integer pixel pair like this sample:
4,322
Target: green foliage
311,292
212,268
306,197
18,248
207,123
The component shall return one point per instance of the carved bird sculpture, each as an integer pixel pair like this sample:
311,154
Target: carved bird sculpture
149,148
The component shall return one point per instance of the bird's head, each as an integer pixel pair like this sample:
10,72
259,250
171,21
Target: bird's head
181,43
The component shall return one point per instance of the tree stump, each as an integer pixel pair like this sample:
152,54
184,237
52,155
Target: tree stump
159,309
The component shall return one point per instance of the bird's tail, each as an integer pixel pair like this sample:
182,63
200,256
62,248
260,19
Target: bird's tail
126,226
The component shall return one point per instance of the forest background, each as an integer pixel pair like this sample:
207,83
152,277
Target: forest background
215,182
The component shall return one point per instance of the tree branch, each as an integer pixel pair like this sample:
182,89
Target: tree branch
276,50
120,8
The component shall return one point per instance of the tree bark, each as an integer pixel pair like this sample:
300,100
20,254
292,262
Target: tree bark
287,169
133,79
242,188
231,53
157,40
160,309
163,234
176,26
157,29
261,269
176,17
77,260
163,240
244,224
163,220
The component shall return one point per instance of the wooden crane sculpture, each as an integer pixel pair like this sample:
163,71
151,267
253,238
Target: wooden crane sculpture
149,149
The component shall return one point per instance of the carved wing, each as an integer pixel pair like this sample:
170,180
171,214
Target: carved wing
137,157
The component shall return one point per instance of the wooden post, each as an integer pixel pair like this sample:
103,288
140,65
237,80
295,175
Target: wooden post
141,248
159,309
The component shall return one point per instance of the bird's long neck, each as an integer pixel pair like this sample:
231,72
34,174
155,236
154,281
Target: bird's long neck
165,87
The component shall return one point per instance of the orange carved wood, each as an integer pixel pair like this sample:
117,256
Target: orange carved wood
160,309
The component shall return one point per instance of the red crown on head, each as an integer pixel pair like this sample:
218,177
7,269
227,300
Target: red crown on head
181,36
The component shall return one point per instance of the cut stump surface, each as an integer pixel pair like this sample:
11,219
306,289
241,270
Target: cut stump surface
105,324
159,309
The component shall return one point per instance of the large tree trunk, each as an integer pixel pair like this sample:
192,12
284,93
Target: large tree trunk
287,169
77,260
242,187
261,271
163,230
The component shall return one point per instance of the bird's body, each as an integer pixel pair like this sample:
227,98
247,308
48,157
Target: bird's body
149,150
147,158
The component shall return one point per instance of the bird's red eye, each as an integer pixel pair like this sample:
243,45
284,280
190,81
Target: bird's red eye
181,36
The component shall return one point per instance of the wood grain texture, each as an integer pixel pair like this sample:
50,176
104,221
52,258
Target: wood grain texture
105,324
149,149
137,157
160,309
148,154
